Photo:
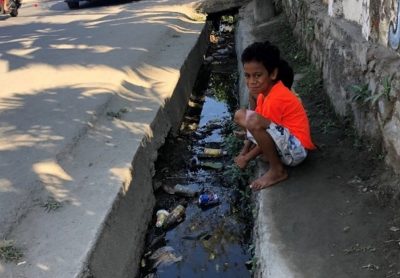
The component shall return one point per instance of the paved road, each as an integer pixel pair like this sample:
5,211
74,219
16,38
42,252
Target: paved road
62,74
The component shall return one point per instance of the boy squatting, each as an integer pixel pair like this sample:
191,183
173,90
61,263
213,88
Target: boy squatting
278,126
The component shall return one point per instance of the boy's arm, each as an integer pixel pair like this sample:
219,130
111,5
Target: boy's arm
246,147
253,153
252,101
248,152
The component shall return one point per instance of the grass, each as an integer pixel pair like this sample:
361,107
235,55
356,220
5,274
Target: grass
231,143
8,252
327,125
51,205
387,87
118,114
311,82
229,19
309,30
291,50
363,95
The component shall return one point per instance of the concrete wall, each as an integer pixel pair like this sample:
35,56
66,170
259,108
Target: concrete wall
378,19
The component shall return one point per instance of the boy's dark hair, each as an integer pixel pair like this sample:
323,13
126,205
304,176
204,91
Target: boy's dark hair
269,55
285,73
262,52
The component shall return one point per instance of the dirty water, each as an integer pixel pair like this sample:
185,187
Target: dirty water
214,240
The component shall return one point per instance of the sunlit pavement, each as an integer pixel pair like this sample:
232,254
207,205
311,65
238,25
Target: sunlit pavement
80,89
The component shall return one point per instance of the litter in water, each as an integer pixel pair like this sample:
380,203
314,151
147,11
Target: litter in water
164,256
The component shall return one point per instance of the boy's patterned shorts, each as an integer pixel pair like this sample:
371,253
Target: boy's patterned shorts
289,148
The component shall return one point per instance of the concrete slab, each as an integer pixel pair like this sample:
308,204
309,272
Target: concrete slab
65,74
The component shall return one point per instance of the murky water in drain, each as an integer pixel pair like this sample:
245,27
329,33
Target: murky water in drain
211,241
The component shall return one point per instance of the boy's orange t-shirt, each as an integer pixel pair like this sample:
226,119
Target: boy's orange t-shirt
284,108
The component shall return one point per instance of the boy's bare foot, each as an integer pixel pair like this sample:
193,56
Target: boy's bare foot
241,161
269,178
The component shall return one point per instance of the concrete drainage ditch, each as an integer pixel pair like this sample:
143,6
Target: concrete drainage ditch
214,239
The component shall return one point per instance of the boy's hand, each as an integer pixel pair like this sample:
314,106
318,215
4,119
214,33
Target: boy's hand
241,161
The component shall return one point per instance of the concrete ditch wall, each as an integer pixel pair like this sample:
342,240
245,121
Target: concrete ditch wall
120,243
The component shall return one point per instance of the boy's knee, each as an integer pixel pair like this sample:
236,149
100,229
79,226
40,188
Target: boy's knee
253,122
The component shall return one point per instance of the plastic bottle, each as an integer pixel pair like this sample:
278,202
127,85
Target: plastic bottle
175,216
208,199
212,165
210,152
162,215
184,191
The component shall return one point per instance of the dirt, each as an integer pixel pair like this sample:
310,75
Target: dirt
338,214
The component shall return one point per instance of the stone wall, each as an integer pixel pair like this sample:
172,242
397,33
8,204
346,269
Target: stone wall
361,77
378,19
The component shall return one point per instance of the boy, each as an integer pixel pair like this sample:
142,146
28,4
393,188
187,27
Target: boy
279,125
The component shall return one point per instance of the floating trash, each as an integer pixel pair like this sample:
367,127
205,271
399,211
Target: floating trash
195,163
176,216
212,165
185,191
211,152
163,257
162,215
168,189
181,190
208,199
200,236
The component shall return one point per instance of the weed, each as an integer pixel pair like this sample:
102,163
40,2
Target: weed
380,156
311,83
245,194
228,129
236,176
361,93
358,142
8,252
327,125
228,19
364,95
387,87
51,205
118,114
293,52
232,145
309,30
252,264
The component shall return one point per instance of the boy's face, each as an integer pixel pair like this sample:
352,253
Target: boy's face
258,79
